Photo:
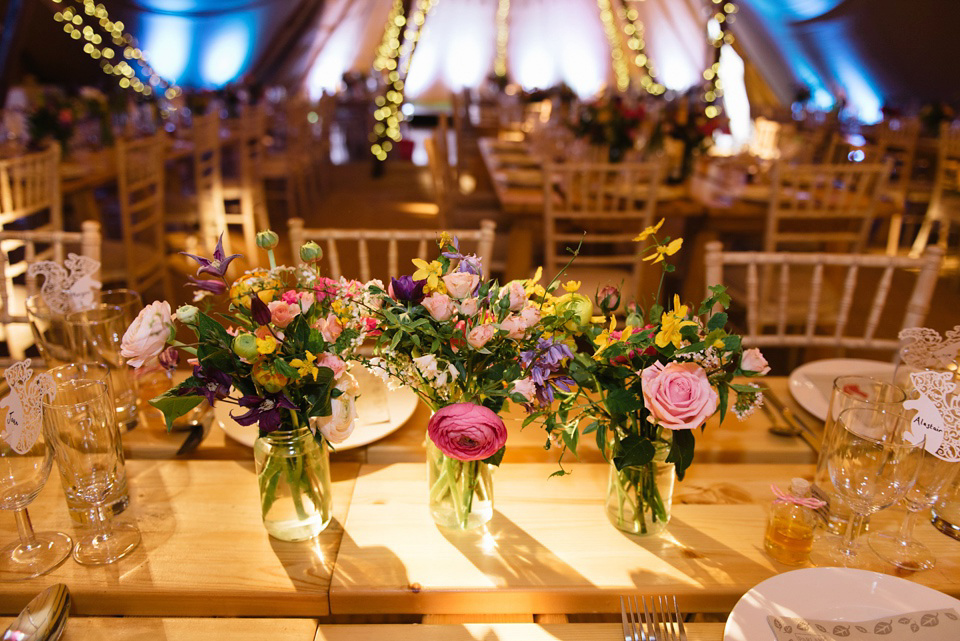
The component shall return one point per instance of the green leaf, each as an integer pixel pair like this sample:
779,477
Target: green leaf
571,437
496,457
285,368
622,401
681,451
558,473
210,330
720,295
717,321
723,394
634,451
174,406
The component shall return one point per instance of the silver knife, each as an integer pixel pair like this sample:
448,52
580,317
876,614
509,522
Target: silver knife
790,417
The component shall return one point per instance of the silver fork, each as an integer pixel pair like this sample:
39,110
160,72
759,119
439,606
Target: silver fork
661,626
630,618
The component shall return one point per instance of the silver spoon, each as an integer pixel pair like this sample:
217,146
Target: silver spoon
44,617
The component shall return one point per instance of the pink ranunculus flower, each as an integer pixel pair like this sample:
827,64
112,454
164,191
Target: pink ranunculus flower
147,335
439,305
526,388
754,361
467,432
514,326
338,426
518,296
481,335
530,315
330,327
282,313
678,395
460,285
469,306
335,363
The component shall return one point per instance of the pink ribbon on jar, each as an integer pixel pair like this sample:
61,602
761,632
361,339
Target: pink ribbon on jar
808,501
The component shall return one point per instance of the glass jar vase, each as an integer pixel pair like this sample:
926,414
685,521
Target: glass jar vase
293,472
639,497
461,492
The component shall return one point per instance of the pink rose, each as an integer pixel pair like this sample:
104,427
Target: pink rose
147,335
753,361
679,396
338,426
461,284
281,313
481,335
530,315
334,363
329,327
467,432
514,326
518,296
526,388
439,305
325,288
469,306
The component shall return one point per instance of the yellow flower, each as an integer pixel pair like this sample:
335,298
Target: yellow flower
266,345
307,366
671,323
430,272
604,341
665,250
649,231
532,287
571,286
445,239
718,343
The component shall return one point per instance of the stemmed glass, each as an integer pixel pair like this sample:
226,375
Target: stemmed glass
22,476
900,548
82,427
872,467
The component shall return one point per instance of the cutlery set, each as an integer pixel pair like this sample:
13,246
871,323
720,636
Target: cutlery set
661,620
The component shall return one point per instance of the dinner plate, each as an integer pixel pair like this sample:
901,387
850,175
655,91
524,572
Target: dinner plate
811,384
836,594
380,411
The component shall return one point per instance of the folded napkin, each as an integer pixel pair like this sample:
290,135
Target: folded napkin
925,625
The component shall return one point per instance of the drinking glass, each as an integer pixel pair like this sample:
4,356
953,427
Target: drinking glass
900,548
127,301
81,425
80,511
51,333
21,478
95,336
871,466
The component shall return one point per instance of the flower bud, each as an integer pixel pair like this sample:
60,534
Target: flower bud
259,311
267,239
581,308
245,346
608,298
310,252
187,314
169,358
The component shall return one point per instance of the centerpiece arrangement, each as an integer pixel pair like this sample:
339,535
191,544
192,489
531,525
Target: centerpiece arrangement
467,346
642,391
611,123
280,355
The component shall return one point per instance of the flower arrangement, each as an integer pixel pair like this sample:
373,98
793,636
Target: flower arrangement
610,122
52,118
280,355
467,346
643,389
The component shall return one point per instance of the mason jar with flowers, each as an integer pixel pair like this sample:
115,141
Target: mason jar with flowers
281,358
642,391
467,346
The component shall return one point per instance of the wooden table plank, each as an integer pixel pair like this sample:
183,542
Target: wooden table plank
184,629
550,548
500,632
204,550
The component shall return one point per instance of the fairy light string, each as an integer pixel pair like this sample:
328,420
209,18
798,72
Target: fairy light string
633,29
503,35
620,69
713,91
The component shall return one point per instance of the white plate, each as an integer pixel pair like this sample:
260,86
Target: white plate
380,412
839,594
811,384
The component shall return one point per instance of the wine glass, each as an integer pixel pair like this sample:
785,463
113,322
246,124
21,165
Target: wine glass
81,424
872,467
22,476
900,548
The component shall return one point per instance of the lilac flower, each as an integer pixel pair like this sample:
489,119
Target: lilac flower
544,365
213,386
215,287
405,289
264,410
259,310
216,266
468,263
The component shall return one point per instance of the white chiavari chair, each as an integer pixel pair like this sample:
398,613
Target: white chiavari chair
32,246
604,205
248,192
388,242
793,311
944,209
30,185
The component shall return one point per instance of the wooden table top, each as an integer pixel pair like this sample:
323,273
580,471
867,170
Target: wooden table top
81,628
204,551
501,632
550,549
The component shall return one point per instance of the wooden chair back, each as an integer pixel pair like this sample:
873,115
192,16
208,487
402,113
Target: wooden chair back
424,239
823,206
29,185
767,135
847,326
944,208
440,179
208,179
140,165
253,215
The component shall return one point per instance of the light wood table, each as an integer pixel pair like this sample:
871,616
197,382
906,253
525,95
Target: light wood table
550,549
184,629
500,632
204,551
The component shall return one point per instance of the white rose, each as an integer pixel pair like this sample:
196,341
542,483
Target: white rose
461,284
147,335
338,427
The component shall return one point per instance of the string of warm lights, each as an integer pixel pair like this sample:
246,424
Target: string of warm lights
714,86
503,34
620,69
109,45
633,29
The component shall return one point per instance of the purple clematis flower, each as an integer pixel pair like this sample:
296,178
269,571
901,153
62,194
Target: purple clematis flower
217,266
264,410
468,263
217,287
407,290
545,364
213,386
